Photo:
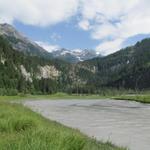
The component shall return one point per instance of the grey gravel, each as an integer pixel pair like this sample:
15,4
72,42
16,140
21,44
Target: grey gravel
124,123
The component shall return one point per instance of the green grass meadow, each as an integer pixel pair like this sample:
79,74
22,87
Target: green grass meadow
57,96
22,129
139,97
143,98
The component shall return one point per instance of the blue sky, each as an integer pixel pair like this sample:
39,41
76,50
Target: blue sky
66,35
102,25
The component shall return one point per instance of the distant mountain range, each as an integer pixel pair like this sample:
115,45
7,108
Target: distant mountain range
75,55
26,67
21,43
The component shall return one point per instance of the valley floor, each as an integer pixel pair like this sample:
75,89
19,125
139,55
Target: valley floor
57,96
124,123
22,129
142,97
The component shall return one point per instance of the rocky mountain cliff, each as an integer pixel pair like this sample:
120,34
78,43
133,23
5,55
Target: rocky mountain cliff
20,43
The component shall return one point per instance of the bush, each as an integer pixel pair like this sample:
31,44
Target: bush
8,92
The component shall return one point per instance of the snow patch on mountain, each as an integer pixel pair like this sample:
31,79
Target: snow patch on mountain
74,55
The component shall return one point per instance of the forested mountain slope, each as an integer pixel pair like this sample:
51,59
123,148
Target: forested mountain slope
24,73
127,68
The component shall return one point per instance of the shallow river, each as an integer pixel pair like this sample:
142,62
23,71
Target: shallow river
121,122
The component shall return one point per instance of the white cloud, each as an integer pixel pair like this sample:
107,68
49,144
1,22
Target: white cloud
114,21
107,20
48,47
84,24
110,9
109,47
55,37
104,31
37,12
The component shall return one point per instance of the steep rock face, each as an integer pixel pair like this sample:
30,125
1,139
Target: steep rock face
25,74
6,29
20,43
45,72
2,60
90,68
48,72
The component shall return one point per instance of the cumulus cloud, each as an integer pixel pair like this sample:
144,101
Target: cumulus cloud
109,21
108,47
37,12
114,21
104,31
84,24
55,37
48,47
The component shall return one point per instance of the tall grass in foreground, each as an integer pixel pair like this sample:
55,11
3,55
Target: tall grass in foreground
21,129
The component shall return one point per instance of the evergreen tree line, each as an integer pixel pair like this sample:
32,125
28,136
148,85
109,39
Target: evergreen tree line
126,69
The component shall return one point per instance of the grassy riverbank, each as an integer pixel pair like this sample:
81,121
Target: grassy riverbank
101,94
22,129
143,98
53,96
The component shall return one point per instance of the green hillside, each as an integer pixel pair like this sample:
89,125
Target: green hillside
127,68
23,73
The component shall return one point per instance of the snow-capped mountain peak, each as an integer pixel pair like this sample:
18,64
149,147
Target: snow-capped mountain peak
74,55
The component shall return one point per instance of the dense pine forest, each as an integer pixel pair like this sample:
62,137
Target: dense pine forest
128,68
18,72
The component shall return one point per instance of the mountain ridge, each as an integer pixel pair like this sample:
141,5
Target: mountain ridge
21,43
128,68
75,55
